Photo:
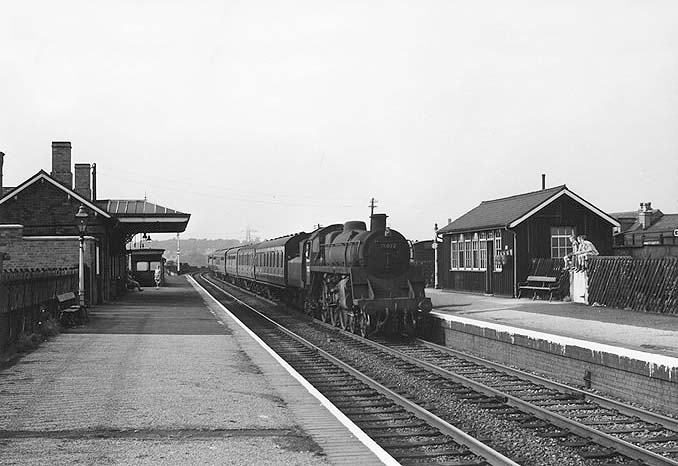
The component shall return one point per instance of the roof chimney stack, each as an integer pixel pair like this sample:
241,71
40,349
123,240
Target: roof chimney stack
61,163
543,181
645,215
82,180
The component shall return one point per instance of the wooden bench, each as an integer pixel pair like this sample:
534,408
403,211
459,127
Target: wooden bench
70,312
538,283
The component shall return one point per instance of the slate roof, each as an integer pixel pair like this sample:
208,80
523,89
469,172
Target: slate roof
498,213
665,224
135,207
509,211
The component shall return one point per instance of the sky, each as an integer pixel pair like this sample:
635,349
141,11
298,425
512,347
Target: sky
276,116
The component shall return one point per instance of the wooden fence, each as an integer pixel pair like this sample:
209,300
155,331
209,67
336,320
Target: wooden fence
28,297
639,284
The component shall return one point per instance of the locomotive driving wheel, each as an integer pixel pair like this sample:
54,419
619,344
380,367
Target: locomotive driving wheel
364,324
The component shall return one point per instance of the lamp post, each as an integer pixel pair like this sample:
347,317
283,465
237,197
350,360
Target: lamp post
435,256
81,219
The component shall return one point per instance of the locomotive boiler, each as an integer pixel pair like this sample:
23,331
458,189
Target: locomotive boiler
360,280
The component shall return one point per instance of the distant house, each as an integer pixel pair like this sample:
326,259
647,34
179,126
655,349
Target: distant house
646,233
490,248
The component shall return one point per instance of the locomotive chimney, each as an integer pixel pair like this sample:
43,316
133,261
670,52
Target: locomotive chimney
378,222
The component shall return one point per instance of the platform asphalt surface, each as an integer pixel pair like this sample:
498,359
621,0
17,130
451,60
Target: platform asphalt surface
639,331
152,379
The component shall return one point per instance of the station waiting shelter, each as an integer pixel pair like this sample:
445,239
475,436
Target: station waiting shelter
143,263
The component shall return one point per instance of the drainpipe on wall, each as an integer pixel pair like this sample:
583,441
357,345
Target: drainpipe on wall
515,267
435,258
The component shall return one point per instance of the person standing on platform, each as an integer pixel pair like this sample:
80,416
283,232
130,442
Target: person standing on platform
157,277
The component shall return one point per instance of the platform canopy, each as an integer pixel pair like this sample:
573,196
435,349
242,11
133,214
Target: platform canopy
141,216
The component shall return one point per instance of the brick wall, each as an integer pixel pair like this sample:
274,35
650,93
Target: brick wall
43,253
625,378
25,252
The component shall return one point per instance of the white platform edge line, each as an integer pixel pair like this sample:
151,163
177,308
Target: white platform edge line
379,452
656,359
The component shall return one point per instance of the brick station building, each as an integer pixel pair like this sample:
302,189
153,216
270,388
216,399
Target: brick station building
38,224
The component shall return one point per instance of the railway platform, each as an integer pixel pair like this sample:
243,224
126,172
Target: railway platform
166,377
628,354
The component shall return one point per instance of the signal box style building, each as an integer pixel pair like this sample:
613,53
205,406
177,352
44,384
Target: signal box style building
490,248
38,225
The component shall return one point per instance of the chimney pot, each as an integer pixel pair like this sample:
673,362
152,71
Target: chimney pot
61,163
543,181
645,215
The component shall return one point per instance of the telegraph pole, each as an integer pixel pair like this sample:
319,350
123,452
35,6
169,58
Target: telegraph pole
373,204
178,257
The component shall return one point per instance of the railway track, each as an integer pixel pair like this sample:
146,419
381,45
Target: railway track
528,419
408,432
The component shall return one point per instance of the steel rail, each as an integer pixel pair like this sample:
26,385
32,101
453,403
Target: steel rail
606,440
644,415
493,457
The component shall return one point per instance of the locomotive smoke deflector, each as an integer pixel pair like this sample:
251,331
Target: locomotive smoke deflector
378,222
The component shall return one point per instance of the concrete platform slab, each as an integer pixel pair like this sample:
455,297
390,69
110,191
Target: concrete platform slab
152,379
627,354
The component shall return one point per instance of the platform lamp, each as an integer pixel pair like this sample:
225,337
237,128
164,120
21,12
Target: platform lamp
81,219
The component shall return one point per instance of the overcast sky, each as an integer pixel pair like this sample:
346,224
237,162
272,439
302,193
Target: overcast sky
279,115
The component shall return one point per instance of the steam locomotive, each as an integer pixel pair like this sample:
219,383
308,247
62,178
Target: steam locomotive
357,279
